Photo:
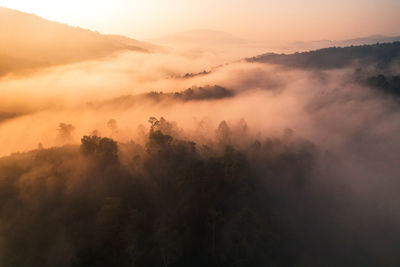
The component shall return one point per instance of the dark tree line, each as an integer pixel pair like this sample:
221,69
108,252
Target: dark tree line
386,84
380,55
194,93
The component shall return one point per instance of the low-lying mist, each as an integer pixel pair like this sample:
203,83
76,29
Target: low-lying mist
247,164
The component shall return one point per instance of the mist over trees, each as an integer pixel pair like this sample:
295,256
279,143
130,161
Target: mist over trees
380,55
175,202
283,160
170,202
195,93
387,84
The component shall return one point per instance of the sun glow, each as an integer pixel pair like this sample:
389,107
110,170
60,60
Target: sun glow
103,15
55,10
252,19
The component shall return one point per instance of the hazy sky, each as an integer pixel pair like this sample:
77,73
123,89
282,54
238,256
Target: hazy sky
253,19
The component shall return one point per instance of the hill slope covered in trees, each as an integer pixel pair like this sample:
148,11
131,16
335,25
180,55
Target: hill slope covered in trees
380,55
230,201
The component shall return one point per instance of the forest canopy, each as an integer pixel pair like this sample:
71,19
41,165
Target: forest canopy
169,202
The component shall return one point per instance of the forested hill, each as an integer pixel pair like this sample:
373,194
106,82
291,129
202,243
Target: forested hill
170,202
381,55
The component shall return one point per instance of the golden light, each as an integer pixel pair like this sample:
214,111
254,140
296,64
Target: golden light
272,19
103,15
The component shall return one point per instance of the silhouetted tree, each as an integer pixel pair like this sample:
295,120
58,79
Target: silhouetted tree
65,133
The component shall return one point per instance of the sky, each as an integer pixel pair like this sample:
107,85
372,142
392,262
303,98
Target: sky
263,20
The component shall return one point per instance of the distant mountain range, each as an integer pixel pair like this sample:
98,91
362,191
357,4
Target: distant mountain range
201,36
218,47
28,42
318,44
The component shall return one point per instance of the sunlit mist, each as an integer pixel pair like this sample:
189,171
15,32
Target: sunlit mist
256,19
199,133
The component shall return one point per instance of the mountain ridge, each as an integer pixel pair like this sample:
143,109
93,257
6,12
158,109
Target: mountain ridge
30,42
381,55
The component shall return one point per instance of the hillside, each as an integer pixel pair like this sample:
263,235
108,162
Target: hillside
30,42
159,204
191,94
381,55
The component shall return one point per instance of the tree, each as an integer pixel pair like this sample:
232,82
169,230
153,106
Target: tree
104,148
112,125
223,133
65,133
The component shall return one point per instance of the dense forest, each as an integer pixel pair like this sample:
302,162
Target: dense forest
230,201
168,203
